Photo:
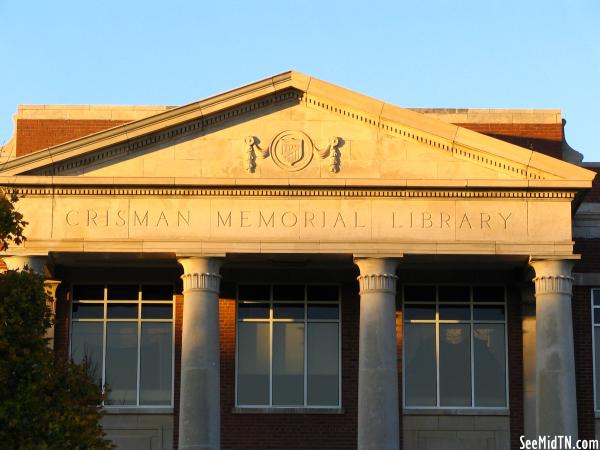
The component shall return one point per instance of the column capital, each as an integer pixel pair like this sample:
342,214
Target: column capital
552,275
37,263
377,274
201,273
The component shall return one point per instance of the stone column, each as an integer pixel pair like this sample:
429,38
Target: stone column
378,413
556,402
38,264
199,405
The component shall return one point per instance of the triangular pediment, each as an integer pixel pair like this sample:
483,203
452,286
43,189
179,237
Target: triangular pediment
294,127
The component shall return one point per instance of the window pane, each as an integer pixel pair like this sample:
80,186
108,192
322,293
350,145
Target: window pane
455,312
488,293
157,292
288,311
597,316
122,311
123,292
322,364
88,292
597,364
254,292
421,312
455,365
323,312
121,362
288,292
490,365
419,293
454,294
253,310
88,311
155,364
253,363
86,344
318,293
288,364
419,365
157,311
488,312
596,295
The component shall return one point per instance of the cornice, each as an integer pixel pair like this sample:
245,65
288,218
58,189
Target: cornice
133,146
249,191
294,87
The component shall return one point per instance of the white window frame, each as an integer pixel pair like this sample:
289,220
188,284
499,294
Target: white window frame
437,321
305,321
139,321
594,291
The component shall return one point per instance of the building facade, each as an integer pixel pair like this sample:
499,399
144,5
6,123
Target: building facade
292,265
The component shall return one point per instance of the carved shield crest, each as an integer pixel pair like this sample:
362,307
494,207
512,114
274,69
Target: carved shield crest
292,150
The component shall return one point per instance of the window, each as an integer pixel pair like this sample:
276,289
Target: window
454,346
596,345
288,346
125,332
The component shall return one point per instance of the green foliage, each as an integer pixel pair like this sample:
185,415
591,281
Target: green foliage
46,401
11,221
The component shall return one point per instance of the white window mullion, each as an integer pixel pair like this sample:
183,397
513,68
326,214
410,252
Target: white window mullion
139,344
472,349
437,345
339,324
305,345
104,330
594,328
271,345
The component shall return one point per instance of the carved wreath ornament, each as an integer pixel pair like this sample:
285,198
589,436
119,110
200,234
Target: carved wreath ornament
292,151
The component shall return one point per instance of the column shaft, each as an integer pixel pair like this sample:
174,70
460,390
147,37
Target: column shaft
38,264
378,412
199,411
556,402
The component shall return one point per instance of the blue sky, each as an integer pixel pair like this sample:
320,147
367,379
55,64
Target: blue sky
422,53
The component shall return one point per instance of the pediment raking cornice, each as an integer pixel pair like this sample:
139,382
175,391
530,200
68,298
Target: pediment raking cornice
290,89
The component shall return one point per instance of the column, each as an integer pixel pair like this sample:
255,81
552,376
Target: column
38,264
556,402
199,405
378,421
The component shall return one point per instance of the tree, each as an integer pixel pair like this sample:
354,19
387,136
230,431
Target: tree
46,401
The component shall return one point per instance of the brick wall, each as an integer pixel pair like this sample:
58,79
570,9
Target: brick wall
543,138
33,135
37,134
61,323
399,336
582,334
514,331
291,431
177,376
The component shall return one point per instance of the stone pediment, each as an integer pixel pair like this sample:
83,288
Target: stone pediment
292,128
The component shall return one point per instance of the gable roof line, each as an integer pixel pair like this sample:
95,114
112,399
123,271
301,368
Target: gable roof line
382,112
169,117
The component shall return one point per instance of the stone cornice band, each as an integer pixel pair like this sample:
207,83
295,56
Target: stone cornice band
272,191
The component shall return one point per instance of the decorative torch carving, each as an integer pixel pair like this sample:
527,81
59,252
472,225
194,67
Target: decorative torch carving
332,151
252,149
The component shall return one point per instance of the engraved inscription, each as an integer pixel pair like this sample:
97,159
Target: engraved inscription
262,218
